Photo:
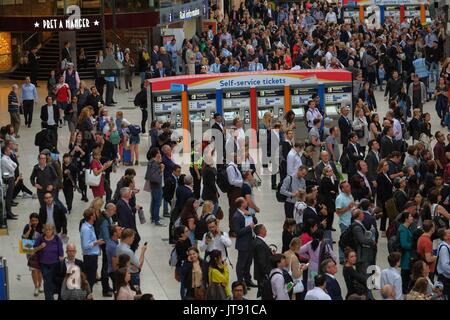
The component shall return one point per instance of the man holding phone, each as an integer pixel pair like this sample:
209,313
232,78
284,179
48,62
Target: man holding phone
90,247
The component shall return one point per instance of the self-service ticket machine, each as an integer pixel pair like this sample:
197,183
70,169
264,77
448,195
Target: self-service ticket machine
202,106
299,101
236,104
167,108
335,98
270,100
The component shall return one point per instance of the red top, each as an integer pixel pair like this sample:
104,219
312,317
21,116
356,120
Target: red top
62,94
100,190
424,245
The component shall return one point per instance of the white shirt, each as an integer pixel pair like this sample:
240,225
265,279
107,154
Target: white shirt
392,276
365,181
293,162
8,166
311,114
317,294
219,242
398,134
279,289
50,210
51,118
331,17
234,175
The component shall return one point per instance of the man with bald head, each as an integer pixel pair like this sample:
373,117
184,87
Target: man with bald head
388,292
325,162
69,261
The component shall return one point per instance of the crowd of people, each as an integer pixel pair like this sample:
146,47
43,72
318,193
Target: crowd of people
380,175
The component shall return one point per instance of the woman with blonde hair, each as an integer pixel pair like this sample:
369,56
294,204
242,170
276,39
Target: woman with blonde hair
86,124
295,268
97,205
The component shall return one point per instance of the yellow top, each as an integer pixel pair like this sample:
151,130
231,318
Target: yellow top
223,278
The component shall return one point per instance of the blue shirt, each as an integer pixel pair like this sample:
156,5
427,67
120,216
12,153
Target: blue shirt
29,92
342,201
88,238
104,231
110,79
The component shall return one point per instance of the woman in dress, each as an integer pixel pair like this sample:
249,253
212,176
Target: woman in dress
219,274
32,231
98,169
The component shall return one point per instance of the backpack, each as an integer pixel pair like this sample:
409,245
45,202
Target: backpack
439,255
439,220
266,292
134,129
201,228
222,179
394,243
347,240
281,197
114,137
173,259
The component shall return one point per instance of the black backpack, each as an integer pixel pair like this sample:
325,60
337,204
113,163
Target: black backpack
222,179
281,197
346,240
394,243
266,292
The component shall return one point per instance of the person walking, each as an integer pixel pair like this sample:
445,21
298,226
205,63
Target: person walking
29,99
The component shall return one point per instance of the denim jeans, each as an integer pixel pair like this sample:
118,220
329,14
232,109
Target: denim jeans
343,227
48,275
155,204
166,206
142,75
434,72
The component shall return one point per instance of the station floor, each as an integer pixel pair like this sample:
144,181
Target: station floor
157,276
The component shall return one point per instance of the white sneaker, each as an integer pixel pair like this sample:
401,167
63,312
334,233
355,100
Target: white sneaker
41,290
36,292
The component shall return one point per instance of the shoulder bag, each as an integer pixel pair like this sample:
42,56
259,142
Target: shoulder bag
92,180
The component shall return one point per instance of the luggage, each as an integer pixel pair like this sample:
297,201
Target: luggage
126,157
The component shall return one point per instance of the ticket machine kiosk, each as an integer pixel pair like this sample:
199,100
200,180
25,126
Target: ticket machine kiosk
167,108
335,97
202,106
236,104
299,101
270,100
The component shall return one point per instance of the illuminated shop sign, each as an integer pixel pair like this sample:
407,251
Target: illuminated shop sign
186,11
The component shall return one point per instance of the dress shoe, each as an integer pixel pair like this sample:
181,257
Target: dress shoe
11,217
251,284
108,294
333,229
159,224
166,214
14,204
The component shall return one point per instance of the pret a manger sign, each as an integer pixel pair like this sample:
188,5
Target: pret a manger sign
73,22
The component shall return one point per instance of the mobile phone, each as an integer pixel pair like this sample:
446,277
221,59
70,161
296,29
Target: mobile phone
145,243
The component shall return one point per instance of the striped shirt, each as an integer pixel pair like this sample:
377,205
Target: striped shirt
13,102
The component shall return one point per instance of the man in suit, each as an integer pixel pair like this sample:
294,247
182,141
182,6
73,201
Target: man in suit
154,56
66,264
243,226
365,246
261,256
50,115
183,192
65,52
126,218
235,180
219,134
33,62
361,186
329,269
354,154
310,211
387,142
345,126
325,162
160,71
372,160
53,213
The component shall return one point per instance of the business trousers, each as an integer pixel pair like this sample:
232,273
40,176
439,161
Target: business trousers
21,187
68,194
90,267
15,121
244,262
144,119
289,209
109,92
28,111
104,272
9,194
233,194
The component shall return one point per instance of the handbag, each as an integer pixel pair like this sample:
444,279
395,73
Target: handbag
92,180
33,262
147,186
216,291
199,293
141,215
219,213
391,208
298,283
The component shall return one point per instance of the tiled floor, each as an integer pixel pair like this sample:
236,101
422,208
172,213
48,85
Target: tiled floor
157,277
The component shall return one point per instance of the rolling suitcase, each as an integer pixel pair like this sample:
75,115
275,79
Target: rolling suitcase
126,157
4,294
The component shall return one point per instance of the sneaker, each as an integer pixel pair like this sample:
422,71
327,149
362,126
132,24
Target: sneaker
41,290
36,292
159,224
166,214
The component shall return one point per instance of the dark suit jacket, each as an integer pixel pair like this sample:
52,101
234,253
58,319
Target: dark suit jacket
125,215
346,128
209,191
59,216
353,157
183,194
333,288
261,259
319,170
157,74
244,235
359,188
186,276
386,146
309,213
44,113
384,188
62,271
372,163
